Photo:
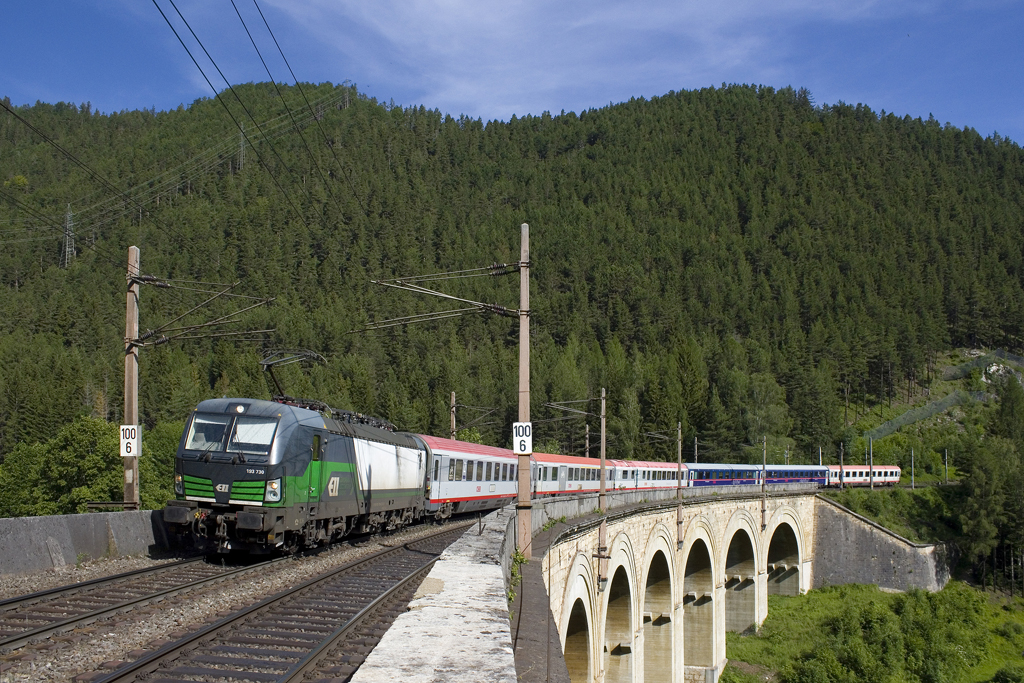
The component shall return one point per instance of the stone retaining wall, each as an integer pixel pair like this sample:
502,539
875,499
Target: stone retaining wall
853,549
33,544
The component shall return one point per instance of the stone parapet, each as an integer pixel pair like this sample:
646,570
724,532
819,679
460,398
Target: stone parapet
58,540
457,627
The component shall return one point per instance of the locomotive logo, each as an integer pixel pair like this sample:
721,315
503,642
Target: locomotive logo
223,488
332,486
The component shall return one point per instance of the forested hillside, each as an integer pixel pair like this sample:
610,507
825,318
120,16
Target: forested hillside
738,259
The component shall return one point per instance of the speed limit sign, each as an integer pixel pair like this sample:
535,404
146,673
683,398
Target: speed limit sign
522,438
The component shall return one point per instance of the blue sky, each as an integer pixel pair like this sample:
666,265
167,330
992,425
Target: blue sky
961,61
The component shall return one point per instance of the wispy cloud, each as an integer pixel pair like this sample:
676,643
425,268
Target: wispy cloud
495,59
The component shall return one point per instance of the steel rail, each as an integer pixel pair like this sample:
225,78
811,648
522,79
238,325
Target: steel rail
71,588
149,664
322,651
21,639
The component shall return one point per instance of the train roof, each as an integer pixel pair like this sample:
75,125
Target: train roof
576,460
656,464
713,466
860,467
465,447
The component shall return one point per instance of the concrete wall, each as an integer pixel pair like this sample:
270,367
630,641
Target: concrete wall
457,628
39,543
852,549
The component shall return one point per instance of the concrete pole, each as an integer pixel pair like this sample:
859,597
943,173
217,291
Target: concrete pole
911,468
842,478
871,466
131,376
695,449
679,483
819,456
587,438
602,498
453,416
524,505
946,461
679,457
602,532
764,483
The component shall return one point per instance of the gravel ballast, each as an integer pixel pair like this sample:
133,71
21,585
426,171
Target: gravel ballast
124,637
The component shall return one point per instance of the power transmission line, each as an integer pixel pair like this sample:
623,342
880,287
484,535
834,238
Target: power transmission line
231,114
330,146
286,107
85,167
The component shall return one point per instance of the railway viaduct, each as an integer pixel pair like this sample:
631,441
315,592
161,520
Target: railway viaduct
645,592
648,591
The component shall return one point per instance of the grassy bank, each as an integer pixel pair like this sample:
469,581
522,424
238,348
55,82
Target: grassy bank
858,634
927,515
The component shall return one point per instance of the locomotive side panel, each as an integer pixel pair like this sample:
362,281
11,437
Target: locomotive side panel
390,477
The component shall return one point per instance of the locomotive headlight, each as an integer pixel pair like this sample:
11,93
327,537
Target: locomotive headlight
178,488
273,493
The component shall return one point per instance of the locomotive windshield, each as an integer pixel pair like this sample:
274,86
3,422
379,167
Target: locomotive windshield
210,432
207,433
252,435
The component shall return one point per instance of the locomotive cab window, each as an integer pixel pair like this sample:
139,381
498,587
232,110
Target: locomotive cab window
255,434
207,432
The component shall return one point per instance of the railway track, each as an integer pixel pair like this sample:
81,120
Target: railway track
39,615
324,626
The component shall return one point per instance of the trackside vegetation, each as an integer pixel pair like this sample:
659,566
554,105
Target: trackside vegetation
858,634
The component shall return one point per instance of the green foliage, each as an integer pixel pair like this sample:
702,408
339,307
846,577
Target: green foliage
470,434
156,464
734,259
855,633
1012,673
927,515
82,463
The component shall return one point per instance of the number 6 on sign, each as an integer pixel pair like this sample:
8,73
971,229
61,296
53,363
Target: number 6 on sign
129,441
522,438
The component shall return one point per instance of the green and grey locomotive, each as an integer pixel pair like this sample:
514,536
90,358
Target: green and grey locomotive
255,476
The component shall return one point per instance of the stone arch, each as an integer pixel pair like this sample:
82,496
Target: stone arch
620,606
698,598
657,608
577,644
576,626
784,553
741,542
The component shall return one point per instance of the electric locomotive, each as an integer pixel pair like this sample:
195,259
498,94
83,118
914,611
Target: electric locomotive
255,476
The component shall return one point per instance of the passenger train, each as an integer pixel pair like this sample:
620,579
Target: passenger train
257,476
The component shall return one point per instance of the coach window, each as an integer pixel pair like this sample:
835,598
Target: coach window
437,468
504,471
451,470
479,470
458,470
469,470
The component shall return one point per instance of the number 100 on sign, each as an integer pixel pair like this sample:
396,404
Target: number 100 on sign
522,438
130,441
